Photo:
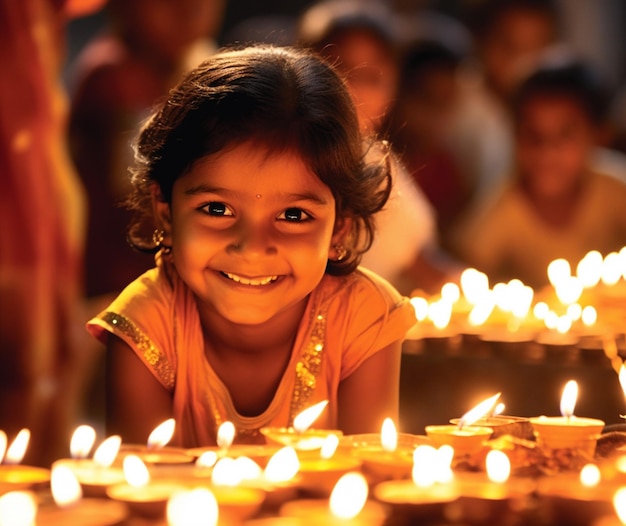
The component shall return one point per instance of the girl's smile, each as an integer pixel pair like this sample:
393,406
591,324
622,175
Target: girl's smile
250,232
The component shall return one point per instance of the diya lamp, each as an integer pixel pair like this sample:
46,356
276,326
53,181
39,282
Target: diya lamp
13,475
94,474
424,497
618,515
18,508
70,508
142,495
384,459
568,431
185,507
464,437
299,436
347,506
156,450
319,475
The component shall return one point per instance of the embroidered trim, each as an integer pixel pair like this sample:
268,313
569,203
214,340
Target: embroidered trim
309,366
153,356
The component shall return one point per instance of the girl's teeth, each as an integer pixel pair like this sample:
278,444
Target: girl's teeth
254,282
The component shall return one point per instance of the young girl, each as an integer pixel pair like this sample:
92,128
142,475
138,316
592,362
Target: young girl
253,172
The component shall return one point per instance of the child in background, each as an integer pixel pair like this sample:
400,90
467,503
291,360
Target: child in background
557,206
253,174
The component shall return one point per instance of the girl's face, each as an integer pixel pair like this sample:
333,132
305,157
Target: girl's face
250,232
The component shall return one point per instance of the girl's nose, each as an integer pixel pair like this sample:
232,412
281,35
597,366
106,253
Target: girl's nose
254,239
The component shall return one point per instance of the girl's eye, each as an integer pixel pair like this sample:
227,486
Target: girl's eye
294,215
216,208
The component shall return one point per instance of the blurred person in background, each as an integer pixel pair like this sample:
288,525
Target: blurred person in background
557,205
357,38
119,76
42,212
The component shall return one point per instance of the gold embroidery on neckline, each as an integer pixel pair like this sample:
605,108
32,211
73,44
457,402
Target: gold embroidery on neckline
157,360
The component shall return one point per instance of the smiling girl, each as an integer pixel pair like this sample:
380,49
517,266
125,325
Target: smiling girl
253,174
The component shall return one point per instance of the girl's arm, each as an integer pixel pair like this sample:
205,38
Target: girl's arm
371,393
135,400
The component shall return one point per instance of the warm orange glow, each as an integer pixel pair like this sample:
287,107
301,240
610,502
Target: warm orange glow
107,451
474,285
483,307
589,316
64,486
305,419
348,496
248,469
420,305
569,398
619,503
424,466
611,269
558,271
135,471
82,441
225,472
440,312
498,466
499,409
329,446
189,508
16,451
450,292
18,508
389,435
540,310
590,475
483,408
162,434
569,290
589,269
226,435
283,465
207,459
3,445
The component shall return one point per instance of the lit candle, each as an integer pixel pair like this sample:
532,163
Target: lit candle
156,450
185,508
18,508
13,475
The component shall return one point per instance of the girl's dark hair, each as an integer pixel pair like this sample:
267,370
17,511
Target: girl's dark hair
283,99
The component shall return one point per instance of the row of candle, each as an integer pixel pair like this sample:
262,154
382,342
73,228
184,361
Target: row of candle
403,470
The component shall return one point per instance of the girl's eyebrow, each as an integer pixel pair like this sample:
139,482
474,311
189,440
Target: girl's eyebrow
287,196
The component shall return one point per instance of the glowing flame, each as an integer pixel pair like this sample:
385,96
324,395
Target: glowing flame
3,445
135,471
483,408
498,466
305,419
482,309
568,398
522,299
451,292
589,269
82,441
107,451
563,324
18,508
64,486
540,310
248,469
569,290
283,465
590,475
420,305
424,466
502,297
162,434
186,507
388,435
611,269
619,503
499,409
17,449
207,459
348,496
589,316
574,311
474,285
551,320
225,473
329,446
440,312
226,435
558,271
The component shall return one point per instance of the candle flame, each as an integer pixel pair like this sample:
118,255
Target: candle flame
569,290
450,292
420,305
622,378
589,316
135,471
16,451
162,434
3,445
225,473
482,309
107,451
348,496
499,409
18,508
248,469
574,311
568,398
483,408
283,465
563,324
184,508
388,435
226,435
540,310
474,285
424,466
305,419
207,459
82,441
64,486
329,446
590,475
589,269
498,466
619,503
558,271
440,313
611,269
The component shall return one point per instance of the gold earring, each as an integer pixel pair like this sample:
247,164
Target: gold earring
340,252
157,238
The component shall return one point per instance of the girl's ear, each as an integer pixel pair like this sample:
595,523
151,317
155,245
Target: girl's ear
162,214
342,229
